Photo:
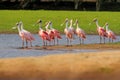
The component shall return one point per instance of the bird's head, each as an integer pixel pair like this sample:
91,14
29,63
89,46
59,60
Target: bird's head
16,25
106,24
20,23
76,22
47,24
95,19
39,21
50,22
66,20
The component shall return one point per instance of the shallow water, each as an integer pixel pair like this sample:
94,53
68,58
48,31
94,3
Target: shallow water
10,44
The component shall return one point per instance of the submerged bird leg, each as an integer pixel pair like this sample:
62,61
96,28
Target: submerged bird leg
82,41
31,43
109,40
26,44
100,39
112,40
22,43
50,43
67,41
70,42
46,43
43,43
57,41
54,42
104,40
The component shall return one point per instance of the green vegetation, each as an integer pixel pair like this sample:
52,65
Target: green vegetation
29,18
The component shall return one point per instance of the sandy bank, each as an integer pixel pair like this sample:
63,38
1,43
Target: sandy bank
85,66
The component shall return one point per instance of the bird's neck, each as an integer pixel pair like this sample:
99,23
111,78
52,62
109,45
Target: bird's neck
77,25
40,28
46,27
18,28
21,26
40,25
51,26
66,24
107,28
71,24
97,24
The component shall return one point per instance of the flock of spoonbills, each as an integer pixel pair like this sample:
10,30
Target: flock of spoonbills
52,36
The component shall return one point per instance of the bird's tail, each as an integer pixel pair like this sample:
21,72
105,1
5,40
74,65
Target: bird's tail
59,37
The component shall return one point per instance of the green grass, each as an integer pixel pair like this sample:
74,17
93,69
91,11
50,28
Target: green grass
8,18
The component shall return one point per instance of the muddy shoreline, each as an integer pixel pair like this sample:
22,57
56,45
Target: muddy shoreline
83,46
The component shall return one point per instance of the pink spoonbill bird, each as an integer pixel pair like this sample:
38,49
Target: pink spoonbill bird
24,34
71,27
50,33
29,36
80,33
56,33
68,32
43,34
110,34
101,31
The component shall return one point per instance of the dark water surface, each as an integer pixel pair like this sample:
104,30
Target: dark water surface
10,44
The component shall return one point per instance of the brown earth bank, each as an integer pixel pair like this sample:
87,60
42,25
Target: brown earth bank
103,65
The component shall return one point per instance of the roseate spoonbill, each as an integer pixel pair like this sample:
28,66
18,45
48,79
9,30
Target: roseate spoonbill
101,31
71,26
80,33
25,35
28,36
43,34
56,33
68,32
110,34
50,33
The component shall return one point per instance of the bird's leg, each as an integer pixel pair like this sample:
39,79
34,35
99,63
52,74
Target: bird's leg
80,40
43,43
31,43
54,42
109,40
67,41
26,44
50,43
70,42
104,40
112,40
57,41
100,39
22,43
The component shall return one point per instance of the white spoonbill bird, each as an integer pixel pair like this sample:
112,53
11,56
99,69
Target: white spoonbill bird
80,33
110,34
101,31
